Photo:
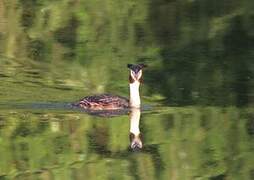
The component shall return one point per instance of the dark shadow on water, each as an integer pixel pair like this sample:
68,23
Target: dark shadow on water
104,113
69,107
109,113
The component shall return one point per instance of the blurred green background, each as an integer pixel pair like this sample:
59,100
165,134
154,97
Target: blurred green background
199,80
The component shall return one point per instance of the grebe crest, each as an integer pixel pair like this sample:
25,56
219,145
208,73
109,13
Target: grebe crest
112,102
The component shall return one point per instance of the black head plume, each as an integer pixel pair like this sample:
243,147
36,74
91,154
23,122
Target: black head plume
142,65
129,66
136,67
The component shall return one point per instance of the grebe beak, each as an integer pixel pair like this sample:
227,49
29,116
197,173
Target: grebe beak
136,74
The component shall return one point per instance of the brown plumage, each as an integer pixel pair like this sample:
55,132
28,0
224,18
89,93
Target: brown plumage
131,80
103,102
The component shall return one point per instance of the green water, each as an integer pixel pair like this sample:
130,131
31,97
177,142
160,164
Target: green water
198,91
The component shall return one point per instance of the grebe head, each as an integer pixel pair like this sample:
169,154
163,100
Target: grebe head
135,72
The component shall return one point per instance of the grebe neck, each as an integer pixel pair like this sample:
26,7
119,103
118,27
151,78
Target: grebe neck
134,94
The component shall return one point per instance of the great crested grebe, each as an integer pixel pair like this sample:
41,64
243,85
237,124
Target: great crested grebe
114,102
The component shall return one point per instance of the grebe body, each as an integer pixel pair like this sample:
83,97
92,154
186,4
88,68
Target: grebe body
113,102
103,102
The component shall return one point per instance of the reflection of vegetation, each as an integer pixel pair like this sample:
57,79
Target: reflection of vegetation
206,53
181,143
37,49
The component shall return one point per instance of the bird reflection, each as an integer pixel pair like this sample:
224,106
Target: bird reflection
135,135
134,117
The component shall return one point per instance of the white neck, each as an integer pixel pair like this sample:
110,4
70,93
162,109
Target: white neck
134,94
134,121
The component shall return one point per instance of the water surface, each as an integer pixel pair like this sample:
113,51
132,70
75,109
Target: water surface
198,91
